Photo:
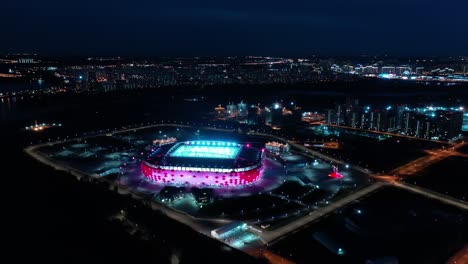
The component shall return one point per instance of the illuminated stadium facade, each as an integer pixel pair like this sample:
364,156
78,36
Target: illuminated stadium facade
204,164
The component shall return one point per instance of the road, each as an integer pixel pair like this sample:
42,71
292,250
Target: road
410,168
461,257
272,236
431,194
325,144
195,223
311,152
275,235
415,166
130,129
182,217
382,133
433,156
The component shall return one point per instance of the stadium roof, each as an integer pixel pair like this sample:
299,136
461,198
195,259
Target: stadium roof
205,154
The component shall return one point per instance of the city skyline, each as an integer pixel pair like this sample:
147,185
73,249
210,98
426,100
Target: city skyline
183,28
236,131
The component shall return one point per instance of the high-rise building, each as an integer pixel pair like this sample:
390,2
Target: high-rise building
348,68
362,120
430,129
388,69
399,110
339,111
276,117
329,116
82,80
408,117
279,116
370,70
351,107
419,124
449,124
111,74
92,81
383,120
419,70
25,60
220,112
354,119
242,109
254,115
373,122
403,70
231,110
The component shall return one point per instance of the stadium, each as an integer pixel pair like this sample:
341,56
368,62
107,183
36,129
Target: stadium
204,164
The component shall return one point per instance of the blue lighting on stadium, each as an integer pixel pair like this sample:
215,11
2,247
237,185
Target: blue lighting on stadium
207,149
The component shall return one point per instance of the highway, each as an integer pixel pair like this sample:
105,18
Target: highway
125,129
413,167
182,217
419,164
310,152
407,169
324,144
275,235
433,156
271,236
461,257
431,194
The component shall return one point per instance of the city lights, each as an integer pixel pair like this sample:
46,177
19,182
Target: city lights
206,150
205,163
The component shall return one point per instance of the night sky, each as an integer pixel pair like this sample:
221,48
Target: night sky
224,27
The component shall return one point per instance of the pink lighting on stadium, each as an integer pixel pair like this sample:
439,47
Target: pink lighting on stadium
204,164
201,178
